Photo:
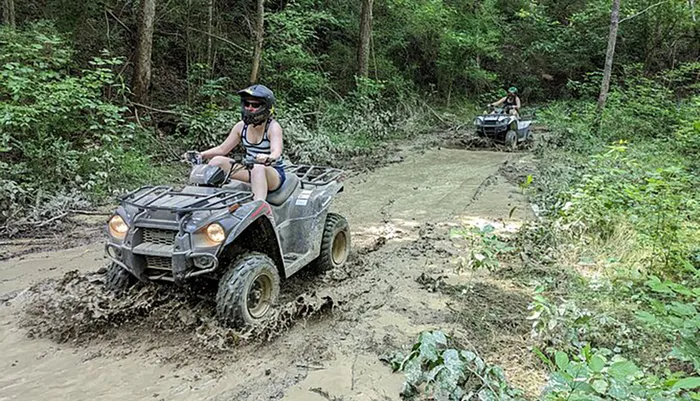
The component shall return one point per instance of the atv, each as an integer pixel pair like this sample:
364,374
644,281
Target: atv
498,125
212,230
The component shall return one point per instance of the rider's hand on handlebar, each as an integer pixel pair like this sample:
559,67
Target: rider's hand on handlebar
264,159
192,156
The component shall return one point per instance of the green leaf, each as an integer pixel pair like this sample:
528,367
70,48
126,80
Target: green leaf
562,360
413,372
453,363
684,310
430,342
655,284
487,395
597,363
468,356
618,391
646,317
600,386
688,383
624,371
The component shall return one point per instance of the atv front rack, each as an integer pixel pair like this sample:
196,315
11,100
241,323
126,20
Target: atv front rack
149,197
315,175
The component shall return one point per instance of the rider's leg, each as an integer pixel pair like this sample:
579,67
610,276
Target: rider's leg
226,164
263,179
220,161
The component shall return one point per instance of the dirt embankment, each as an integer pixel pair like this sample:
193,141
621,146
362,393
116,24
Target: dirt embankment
62,336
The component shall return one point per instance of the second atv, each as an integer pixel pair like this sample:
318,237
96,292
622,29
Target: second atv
500,126
213,229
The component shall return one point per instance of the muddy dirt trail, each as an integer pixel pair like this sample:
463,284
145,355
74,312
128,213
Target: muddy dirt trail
400,216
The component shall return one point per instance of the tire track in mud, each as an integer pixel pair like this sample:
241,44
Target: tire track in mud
331,327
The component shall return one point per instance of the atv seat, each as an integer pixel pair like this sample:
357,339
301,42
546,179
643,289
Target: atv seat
274,198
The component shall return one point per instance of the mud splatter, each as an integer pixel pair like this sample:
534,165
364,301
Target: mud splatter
76,308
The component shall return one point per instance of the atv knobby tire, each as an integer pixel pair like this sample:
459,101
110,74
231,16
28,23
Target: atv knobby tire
511,140
118,280
248,290
335,243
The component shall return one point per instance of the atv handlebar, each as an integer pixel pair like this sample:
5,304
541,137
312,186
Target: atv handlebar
195,158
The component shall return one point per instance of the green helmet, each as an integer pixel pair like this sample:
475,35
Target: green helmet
512,89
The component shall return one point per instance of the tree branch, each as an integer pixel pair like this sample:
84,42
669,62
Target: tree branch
236,45
118,20
175,113
643,11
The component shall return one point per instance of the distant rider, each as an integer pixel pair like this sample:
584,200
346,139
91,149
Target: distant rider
261,136
511,101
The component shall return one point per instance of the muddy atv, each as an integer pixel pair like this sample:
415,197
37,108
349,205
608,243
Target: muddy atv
212,229
501,127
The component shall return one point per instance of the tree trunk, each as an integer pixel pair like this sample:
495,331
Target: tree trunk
144,47
365,35
607,71
259,32
210,52
8,13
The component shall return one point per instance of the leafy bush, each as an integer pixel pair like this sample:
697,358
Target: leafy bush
596,375
449,374
485,247
56,130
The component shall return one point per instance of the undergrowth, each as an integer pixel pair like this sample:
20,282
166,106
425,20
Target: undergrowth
613,256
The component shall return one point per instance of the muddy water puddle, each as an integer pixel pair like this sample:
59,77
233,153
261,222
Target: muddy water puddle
336,327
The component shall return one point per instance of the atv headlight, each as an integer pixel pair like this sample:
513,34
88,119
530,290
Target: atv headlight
118,227
215,233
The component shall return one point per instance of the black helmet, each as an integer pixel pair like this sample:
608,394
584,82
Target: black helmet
262,94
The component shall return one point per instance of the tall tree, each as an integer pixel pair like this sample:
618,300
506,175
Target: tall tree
210,54
612,39
259,32
365,35
8,13
144,47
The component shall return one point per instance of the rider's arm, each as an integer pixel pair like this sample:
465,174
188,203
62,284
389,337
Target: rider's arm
233,139
517,103
498,103
275,135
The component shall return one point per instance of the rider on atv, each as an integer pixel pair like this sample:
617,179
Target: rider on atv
511,101
261,136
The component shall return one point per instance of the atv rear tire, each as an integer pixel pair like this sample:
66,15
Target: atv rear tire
335,243
248,291
511,140
118,280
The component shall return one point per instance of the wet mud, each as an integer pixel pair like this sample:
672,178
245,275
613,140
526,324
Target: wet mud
64,337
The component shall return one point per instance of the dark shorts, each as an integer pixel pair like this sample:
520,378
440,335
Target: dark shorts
280,171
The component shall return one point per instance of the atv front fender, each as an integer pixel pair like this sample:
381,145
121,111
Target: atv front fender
254,232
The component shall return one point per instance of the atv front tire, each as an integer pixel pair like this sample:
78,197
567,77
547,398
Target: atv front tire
118,280
511,140
335,243
248,290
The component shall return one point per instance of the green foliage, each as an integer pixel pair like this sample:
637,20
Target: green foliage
485,247
290,62
57,132
671,309
619,194
595,375
443,373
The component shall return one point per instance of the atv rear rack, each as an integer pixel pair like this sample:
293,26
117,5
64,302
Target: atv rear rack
218,200
315,175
